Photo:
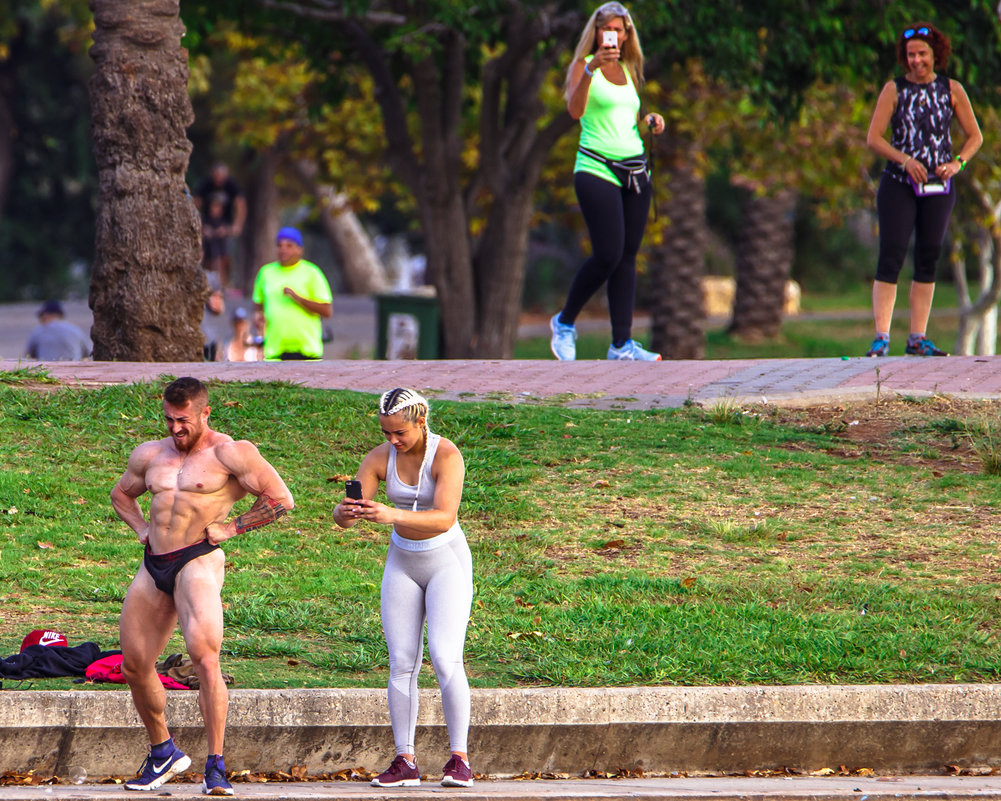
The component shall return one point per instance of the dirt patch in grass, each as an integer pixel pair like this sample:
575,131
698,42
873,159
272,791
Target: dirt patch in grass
928,433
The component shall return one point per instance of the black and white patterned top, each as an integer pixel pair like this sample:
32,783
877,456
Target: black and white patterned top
921,122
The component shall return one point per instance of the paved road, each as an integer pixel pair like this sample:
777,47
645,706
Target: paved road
796,788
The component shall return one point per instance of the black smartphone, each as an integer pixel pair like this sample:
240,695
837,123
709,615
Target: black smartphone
352,489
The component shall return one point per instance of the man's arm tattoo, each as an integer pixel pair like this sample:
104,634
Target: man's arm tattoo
264,512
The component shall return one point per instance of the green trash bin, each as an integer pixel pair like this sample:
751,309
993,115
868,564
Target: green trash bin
407,325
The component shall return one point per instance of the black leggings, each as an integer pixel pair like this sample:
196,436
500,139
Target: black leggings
616,218
902,213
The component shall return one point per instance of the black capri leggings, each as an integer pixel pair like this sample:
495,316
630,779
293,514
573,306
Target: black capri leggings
616,218
900,213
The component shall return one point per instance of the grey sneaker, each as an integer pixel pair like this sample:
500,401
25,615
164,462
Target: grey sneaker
632,351
563,343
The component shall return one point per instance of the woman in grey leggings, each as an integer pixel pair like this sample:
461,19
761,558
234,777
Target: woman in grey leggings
428,576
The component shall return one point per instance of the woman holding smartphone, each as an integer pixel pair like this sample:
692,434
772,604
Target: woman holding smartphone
428,575
611,177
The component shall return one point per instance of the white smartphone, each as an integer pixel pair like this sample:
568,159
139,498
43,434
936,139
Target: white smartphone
609,39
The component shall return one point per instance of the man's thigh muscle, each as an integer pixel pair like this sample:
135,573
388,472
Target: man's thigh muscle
148,619
197,595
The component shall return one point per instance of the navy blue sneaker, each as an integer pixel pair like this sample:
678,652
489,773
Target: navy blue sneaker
215,782
923,347
157,770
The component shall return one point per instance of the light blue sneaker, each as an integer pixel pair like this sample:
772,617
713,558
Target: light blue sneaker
563,343
632,351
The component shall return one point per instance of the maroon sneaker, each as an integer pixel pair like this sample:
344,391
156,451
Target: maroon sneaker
457,773
400,774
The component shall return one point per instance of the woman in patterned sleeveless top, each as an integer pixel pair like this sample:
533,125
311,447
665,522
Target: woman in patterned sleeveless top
916,191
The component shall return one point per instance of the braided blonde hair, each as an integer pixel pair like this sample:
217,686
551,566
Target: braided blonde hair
412,406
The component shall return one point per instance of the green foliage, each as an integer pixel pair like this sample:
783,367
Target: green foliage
47,214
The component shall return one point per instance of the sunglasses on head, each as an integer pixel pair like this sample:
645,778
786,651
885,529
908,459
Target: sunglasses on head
919,31
613,9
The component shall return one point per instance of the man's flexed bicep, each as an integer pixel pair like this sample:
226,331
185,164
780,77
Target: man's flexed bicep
256,475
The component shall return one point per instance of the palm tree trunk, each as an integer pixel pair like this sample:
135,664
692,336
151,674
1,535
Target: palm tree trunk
147,287
764,263
678,265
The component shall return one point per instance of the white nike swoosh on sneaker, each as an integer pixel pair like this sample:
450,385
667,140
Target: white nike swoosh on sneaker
158,769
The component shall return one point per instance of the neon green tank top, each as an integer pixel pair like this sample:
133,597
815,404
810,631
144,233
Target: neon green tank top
608,125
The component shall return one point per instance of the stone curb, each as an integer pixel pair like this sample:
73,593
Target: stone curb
795,788
659,730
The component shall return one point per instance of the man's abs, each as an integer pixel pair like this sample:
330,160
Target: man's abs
178,518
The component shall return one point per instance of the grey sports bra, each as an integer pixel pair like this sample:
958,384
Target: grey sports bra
403,496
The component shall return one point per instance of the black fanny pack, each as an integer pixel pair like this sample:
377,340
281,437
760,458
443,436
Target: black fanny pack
632,172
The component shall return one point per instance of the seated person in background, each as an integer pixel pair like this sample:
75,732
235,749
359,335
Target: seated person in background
243,347
56,339
213,324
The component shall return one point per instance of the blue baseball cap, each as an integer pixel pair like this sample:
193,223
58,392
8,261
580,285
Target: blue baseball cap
291,234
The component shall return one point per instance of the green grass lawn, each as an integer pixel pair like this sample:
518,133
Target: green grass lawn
719,546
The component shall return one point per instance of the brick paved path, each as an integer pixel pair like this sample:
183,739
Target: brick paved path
596,384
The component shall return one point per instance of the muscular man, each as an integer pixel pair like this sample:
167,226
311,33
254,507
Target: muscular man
195,475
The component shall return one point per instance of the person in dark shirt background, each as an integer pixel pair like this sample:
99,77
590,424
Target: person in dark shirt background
224,212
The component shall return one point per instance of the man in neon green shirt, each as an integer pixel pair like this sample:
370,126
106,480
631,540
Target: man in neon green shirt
290,297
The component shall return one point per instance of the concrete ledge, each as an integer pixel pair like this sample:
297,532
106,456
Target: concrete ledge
798,788
889,728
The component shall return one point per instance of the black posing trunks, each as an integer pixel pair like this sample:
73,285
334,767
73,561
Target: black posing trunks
164,567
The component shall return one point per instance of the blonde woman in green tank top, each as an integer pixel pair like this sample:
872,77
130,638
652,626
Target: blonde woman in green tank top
611,177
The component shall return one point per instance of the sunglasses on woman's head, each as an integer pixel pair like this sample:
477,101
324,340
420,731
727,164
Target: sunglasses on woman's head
613,8
920,31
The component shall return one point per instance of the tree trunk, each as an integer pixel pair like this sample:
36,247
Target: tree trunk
499,266
484,278
449,269
677,266
361,267
976,332
261,228
147,288
7,132
987,337
764,263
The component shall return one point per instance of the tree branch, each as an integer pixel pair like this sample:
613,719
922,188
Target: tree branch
453,82
401,150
